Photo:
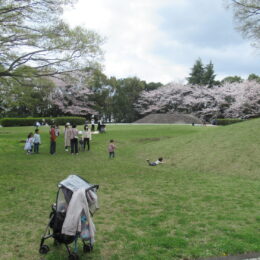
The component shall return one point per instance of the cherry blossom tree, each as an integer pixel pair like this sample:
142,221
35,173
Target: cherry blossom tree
71,98
230,100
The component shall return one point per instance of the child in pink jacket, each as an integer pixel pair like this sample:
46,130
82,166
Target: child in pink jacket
111,149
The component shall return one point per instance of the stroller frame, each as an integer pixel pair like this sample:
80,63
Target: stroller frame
57,236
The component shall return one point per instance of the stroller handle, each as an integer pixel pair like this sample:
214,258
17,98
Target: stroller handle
96,186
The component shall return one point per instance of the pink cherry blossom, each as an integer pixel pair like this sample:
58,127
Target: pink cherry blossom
230,100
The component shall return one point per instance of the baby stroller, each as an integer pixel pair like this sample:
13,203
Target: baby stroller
71,216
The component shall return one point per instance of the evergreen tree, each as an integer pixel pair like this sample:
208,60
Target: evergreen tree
209,76
197,73
201,75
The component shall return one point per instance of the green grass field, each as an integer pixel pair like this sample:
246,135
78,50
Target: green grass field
204,201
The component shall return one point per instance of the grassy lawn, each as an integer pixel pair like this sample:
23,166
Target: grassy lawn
204,201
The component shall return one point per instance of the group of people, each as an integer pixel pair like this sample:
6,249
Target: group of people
33,142
100,126
74,140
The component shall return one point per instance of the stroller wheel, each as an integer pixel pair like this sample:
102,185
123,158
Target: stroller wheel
73,256
44,249
87,248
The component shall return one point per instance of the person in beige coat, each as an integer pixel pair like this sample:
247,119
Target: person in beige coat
66,137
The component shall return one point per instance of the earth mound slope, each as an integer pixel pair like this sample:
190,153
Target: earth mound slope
176,118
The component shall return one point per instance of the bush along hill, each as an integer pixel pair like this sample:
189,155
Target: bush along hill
46,120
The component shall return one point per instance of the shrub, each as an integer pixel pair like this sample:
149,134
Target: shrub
49,120
228,121
71,120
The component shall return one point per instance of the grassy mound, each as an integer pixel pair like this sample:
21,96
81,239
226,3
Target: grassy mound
204,201
170,118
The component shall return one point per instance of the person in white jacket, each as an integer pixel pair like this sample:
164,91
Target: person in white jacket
36,141
86,135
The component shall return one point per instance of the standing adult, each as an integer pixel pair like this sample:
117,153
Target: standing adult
53,138
66,137
99,125
86,137
73,134
92,124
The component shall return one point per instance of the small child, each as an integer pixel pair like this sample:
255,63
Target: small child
81,143
160,160
36,141
111,149
29,143
57,130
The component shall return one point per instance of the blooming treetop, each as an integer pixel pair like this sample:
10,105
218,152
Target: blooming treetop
72,98
231,100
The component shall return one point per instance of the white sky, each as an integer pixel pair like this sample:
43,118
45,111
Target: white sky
160,40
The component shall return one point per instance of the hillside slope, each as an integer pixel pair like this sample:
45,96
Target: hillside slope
233,149
174,118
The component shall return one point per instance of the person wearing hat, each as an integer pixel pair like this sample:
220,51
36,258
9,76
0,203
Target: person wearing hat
66,137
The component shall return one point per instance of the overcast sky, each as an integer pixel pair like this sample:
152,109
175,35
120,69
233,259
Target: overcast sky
160,40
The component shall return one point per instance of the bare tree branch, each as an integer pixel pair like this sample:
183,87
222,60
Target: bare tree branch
247,16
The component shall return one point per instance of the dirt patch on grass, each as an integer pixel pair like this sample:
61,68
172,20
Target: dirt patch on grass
144,140
151,139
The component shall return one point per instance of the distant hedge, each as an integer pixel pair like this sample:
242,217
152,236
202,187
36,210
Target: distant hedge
30,121
227,121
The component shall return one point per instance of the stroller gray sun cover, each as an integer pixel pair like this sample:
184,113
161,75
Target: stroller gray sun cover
71,216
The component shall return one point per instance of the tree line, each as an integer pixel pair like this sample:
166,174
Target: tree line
229,100
106,97
50,69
